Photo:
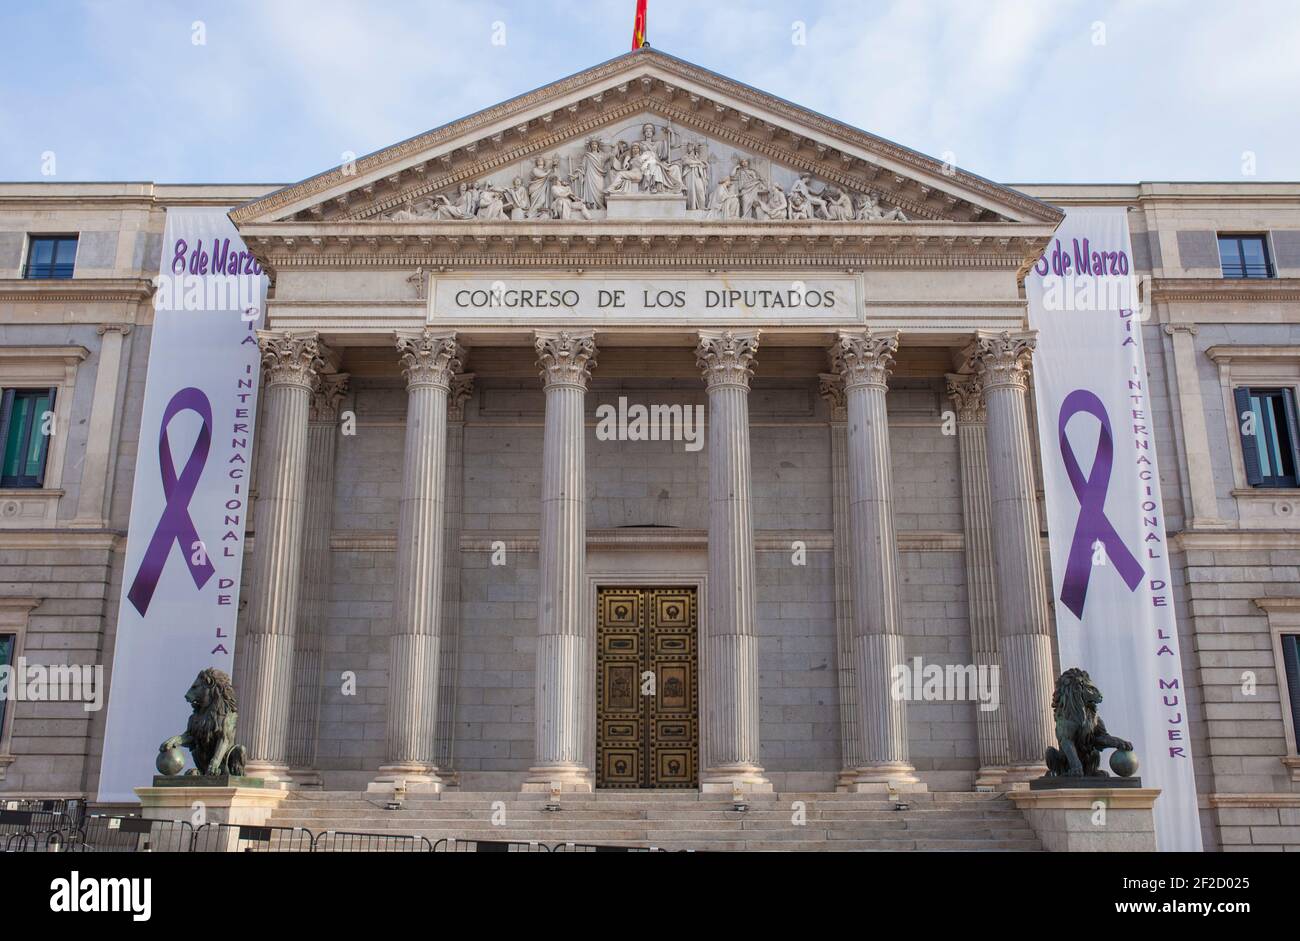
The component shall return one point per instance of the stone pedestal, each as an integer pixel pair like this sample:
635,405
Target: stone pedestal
645,206
1091,820
250,806
729,652
565,688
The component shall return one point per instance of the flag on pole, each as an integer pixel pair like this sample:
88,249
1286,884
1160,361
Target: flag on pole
638,26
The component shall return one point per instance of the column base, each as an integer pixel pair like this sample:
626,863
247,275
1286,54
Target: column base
415,776
273,774
307,778
882,778
726,779
1017,777
568,777
990,776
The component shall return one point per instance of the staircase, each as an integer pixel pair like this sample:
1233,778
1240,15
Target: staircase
680,820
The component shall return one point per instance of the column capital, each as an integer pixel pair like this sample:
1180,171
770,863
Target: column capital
1003,359
830,385
864,357
565,359
462,387
291,359
726,357
323,407
1173,328
122,328
428,357
967,393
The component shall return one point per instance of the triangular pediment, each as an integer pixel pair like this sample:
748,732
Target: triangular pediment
728,152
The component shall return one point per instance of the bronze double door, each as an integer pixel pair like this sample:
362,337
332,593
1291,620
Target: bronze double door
647,692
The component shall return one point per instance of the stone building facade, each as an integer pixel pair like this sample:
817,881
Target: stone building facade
453,574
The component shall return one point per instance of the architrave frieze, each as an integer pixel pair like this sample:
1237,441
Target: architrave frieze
665,85
666,244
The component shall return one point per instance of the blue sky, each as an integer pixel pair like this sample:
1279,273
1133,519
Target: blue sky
1017,91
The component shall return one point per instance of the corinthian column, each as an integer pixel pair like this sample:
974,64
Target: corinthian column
429,361
864,359
564,642
832,390
730,654
967,394
1002,361
313,598
290,364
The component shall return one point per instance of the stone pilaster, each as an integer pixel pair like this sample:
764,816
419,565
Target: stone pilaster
429,360
863,359
730,642
565,655
967,394
291,363
314,591
1003,362
462,386
832,390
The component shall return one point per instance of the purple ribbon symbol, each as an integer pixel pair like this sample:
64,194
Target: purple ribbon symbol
175,524
1092,526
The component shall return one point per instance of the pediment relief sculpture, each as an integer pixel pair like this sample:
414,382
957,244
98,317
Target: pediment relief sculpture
705,179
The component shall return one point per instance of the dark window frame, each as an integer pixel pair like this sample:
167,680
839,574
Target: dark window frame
1240,269
1291,669
7,398
53,270
7,654
1288,450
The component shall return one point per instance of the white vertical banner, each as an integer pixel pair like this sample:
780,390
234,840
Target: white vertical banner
185,544
1110,554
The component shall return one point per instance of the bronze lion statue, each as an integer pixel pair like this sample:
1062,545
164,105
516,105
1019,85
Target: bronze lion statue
1079,730
210,732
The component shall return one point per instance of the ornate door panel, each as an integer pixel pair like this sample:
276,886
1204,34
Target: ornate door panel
647,693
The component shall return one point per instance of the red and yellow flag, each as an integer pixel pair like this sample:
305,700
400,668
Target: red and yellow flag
638,26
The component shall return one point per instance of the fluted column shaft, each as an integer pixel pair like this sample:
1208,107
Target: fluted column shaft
429,361
564,642
967,393
864,360
1026,646
314,591
290,364
730,643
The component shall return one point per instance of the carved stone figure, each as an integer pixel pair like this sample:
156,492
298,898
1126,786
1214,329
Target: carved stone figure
695,177
595,165
773,205
516,199
628,180
816,205
839,205
1079,730
463,208
564,202
210,733
868,210
661,147
748,185
491,204
725,202
539,186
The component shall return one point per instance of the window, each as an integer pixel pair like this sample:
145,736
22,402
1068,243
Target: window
1268,436
25,416
7,644
51,256
1245,256
1291,664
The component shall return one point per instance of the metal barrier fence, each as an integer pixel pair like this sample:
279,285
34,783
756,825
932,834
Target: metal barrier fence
238,838
453,845
114,834
338,841
37,817
603,848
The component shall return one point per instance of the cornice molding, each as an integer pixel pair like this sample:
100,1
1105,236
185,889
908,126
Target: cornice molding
76,290
1225,290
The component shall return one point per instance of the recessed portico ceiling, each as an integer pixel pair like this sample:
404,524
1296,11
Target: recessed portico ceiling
644,82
